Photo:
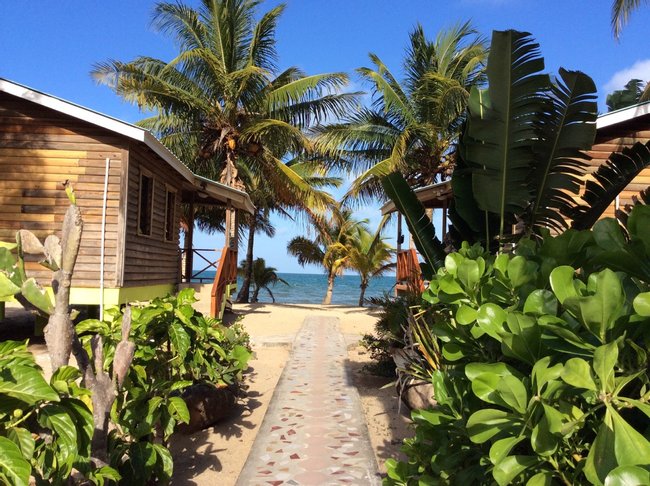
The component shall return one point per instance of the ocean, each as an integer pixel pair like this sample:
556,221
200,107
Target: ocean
306,288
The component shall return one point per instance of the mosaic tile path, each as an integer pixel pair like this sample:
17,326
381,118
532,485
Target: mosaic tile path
314,432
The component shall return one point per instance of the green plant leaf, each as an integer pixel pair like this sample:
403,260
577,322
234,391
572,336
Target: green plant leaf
469,273
487,423
561,279
24,440
491,318
178,409
521,271
36,296
7,287
513,392
544,478
600,311
542,439
605,358
164,463
601,458
58,419
180,339
628,476
630,447
27,384
12,464
502,447
577,372
466,315
641,304
541,302
511,467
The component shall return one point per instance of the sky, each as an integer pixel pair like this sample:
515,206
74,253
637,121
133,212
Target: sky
51,46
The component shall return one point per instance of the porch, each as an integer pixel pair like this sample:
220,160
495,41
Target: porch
408,274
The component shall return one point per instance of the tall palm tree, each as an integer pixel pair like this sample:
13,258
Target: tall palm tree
411,126
220,104
262,278
370,257
331,248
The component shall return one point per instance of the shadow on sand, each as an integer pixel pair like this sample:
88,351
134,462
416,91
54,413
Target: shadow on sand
195,453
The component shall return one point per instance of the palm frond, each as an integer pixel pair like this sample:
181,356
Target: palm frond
306,251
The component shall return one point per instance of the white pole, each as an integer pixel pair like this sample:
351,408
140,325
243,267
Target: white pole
103,243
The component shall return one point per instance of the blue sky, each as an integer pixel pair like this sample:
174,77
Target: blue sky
51,46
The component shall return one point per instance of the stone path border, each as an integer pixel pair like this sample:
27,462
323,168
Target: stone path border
314,432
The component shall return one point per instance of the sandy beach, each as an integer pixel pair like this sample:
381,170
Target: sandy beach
219,453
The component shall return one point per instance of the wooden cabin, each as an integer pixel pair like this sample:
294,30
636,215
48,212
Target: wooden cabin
617,130
128,186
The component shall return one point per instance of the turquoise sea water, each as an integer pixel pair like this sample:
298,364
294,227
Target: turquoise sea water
305,288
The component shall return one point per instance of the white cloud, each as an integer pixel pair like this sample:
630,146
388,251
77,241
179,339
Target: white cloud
639,70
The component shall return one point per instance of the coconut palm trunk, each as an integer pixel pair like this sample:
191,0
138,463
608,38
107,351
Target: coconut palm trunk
362,295
330,288
244,293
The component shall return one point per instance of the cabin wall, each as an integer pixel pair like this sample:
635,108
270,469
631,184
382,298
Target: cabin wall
151,259
615,139
39,150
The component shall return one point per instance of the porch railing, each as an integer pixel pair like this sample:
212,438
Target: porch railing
226,276
209,259
409,275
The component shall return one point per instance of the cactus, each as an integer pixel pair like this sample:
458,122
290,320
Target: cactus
60,336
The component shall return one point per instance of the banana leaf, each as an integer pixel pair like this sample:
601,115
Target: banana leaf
498,144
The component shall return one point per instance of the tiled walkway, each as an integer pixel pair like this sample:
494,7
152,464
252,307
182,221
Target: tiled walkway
314,432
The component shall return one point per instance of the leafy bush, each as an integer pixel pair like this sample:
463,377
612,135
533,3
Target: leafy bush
175,347
545,364
45,429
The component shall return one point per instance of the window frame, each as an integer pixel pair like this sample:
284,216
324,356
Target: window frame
145,173
174,192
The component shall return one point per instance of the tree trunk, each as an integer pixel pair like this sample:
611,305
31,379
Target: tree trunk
364,286
244,292
330,288
256,293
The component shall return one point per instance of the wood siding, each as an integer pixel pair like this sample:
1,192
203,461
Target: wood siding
614,139
39,150
150,259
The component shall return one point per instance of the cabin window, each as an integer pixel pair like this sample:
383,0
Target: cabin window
145,207
170,227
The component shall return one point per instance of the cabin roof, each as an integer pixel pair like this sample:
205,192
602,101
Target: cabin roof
623,115
217,191
432,196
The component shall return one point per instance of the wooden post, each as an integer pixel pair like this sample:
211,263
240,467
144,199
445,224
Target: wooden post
444,219
399,247
189,245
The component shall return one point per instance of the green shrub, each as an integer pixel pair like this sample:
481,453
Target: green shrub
545,365
176,347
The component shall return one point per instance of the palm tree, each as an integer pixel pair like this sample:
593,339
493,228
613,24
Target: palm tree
267,202
370,257
411,126
331,248
621,11
635,91
220,105
262,277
